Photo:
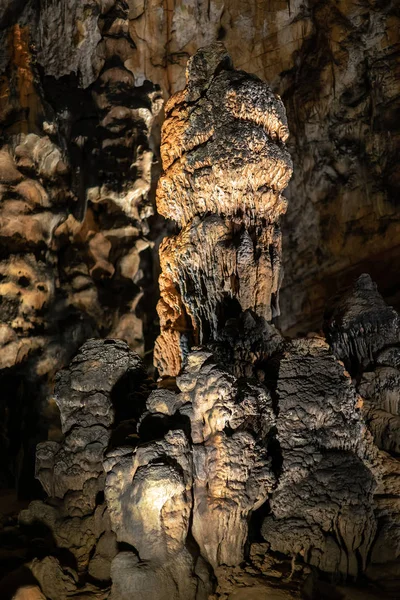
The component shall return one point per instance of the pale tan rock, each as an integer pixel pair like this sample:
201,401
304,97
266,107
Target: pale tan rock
149,499
30,592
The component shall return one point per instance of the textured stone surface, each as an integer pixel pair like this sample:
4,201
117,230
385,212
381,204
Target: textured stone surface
208,472
202,472
225,166
336,67
364,332
77,77
322,508
360,324
102,385
75,177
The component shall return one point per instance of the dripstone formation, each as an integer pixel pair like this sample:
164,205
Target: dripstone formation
260,467
225,166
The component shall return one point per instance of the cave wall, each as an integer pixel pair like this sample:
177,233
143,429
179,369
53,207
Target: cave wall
76,171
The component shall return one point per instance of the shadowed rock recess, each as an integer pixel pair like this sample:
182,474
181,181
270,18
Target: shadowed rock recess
259,468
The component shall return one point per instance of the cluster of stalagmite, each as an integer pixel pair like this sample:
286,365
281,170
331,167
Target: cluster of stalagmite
225,167
365,334
75,519
267,467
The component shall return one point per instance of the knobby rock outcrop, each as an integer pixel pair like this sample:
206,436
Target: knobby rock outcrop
76,157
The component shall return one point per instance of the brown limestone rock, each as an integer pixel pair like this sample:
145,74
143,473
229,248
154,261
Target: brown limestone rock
76,160
336,67
225,166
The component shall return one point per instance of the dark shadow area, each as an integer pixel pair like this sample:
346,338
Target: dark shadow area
21,428
228,308
256,520
129,395
11,583
40,543
155,426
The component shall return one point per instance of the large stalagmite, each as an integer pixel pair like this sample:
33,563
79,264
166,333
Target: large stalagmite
287,458
225,166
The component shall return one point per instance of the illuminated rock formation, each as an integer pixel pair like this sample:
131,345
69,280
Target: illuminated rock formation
258,471
291,448
225,166
203,479
336,69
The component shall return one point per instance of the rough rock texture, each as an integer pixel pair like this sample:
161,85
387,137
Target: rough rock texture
76,76
359,325
322,508
249,474
207,474
75,176
365,333
260,471
336,67
225,166
104,377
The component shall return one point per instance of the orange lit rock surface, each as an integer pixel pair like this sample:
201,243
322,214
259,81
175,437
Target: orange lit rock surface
225,166
335,65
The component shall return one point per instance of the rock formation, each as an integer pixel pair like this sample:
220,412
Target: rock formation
249,471
336,67
365,334
260,467
258,479
75,176
225,166
101,388
80,111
